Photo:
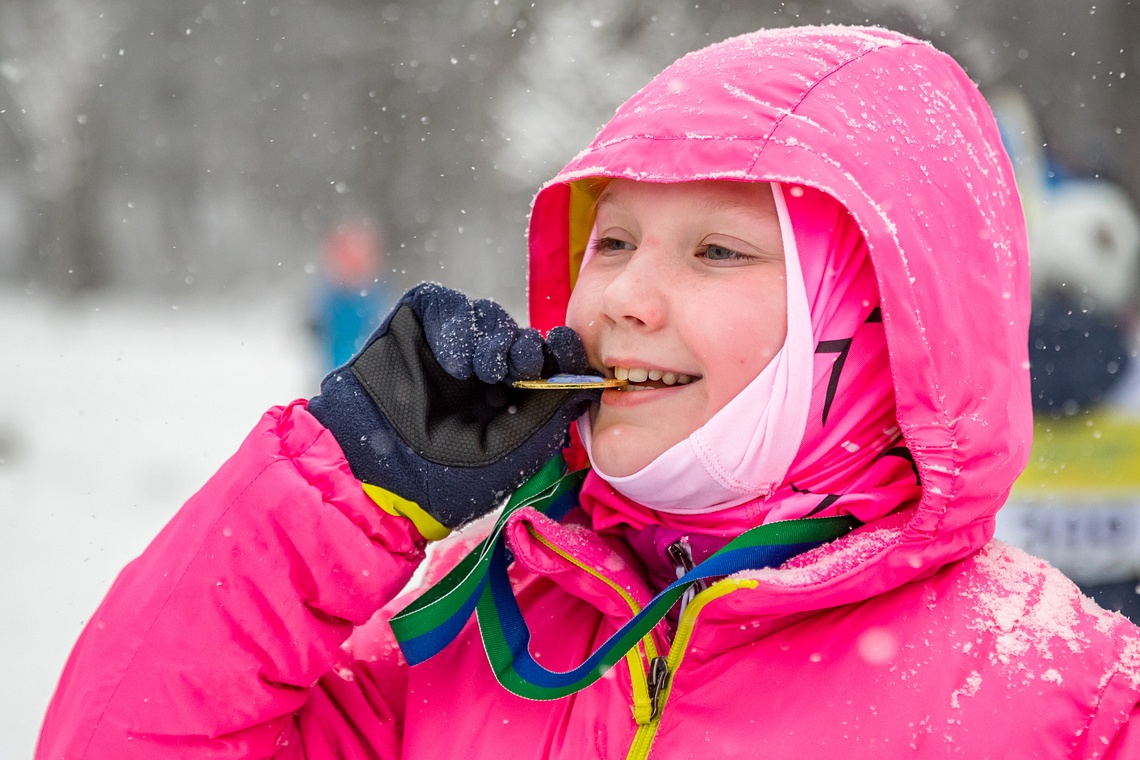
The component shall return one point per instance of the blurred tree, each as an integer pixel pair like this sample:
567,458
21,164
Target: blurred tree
210,145
51,55
435,138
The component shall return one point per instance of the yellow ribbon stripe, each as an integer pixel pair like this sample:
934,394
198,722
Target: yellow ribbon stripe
429,527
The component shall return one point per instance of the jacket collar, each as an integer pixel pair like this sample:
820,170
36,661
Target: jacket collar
602,570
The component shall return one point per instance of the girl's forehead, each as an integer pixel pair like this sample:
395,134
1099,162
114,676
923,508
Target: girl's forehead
701,195
619,186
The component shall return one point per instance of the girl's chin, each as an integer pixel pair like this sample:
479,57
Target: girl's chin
621,450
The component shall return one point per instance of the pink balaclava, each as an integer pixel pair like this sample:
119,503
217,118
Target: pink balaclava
783,450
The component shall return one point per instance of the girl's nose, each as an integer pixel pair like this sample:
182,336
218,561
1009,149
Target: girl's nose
636,296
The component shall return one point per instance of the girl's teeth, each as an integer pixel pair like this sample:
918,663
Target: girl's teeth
640,375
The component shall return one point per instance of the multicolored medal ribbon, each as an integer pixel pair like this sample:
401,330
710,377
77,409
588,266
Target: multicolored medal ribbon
479,582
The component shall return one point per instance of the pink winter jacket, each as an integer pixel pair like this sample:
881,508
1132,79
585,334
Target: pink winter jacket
255,624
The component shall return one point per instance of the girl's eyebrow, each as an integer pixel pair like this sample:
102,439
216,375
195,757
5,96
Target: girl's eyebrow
734,206
606,199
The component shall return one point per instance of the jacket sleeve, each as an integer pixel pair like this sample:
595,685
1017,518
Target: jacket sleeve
224,638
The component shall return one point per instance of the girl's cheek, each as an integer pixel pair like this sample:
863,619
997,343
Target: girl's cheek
581,311
588,333
578,325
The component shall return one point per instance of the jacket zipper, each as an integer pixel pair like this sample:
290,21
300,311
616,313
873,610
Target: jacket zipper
658,679
645,694
652,678
643,740
662,669
681,555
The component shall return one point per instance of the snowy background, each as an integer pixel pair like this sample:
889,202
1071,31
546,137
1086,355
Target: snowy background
115,411
169,172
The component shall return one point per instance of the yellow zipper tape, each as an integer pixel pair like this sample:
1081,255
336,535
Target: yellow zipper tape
643,740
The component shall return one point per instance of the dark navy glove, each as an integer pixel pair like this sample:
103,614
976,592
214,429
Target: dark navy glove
426,415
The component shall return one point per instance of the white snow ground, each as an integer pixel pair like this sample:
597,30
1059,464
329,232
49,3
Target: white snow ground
113,411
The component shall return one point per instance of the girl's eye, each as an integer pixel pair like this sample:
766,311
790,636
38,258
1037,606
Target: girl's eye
720,253
602,245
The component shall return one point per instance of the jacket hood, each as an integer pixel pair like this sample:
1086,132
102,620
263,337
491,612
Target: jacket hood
897,133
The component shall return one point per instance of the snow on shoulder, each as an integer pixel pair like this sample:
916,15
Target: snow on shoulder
1034,614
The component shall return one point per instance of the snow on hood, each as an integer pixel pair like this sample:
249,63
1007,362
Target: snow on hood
896,131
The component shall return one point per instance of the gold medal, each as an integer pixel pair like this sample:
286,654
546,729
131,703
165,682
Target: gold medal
570,383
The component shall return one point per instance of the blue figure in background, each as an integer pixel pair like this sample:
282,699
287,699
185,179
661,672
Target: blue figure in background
354,297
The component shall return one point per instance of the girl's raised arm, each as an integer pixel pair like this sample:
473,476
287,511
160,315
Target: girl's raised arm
224,639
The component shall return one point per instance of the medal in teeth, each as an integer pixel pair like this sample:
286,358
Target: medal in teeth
624,378
571,383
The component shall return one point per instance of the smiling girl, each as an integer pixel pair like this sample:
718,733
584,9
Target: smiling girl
802,253
678,278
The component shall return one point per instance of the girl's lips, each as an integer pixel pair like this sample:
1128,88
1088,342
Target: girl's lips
620,397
